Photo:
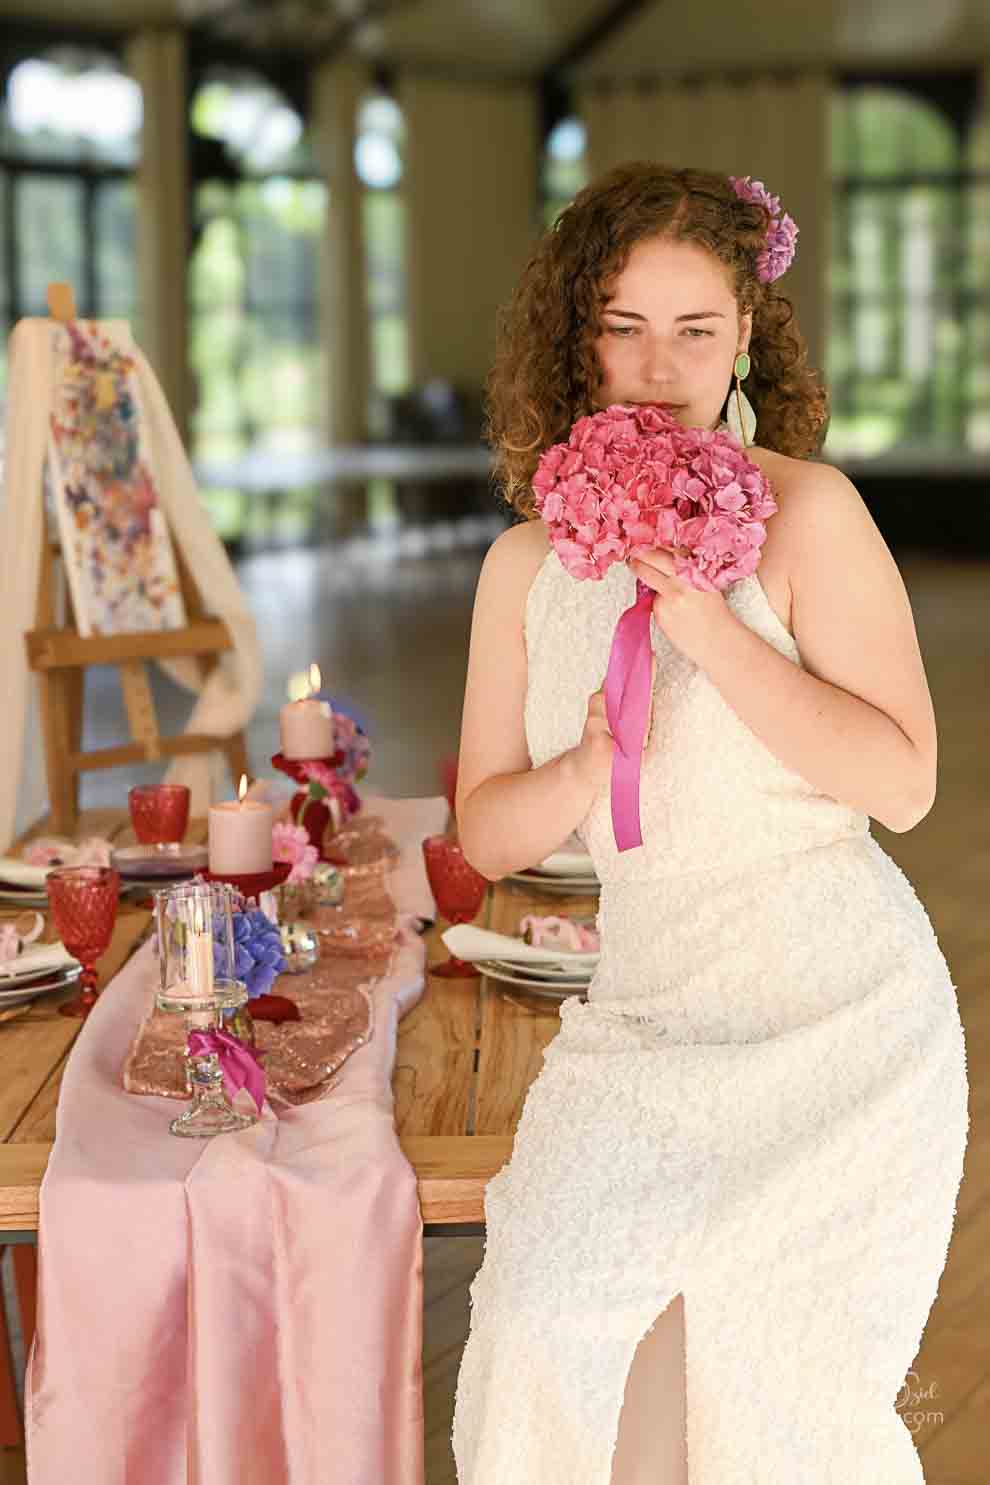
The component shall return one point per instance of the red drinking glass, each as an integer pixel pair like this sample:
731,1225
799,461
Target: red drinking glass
459,891
159,812
84,906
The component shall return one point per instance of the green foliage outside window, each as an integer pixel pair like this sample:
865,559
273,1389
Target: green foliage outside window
908,279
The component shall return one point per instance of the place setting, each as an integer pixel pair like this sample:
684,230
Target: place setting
28,967
553,957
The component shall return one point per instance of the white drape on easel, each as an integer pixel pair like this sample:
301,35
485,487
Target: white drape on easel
229,695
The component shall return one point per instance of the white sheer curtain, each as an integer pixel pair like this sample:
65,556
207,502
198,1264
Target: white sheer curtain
226,700
774,129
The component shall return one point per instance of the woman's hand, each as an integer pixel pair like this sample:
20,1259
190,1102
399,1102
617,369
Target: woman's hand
691,619
593,754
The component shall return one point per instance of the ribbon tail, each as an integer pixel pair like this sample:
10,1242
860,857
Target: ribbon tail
627,706
241,1067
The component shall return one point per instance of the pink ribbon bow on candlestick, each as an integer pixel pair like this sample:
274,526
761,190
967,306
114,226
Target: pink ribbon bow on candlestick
239,1063
628,684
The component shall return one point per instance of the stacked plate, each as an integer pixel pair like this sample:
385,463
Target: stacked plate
556,981
148,867
27,897
555,973
29,981
569,872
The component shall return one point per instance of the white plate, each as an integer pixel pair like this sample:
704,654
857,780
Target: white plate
573,974
36,972
24,991
552,989
556,886
28,897
566,864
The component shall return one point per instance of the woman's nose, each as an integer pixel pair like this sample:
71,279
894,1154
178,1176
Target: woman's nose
657,364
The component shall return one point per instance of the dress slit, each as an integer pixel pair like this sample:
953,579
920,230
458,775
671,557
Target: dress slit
651,1442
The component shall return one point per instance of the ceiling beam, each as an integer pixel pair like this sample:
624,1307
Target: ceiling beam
590,37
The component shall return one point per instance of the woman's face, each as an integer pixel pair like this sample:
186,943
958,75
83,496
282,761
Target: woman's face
671,332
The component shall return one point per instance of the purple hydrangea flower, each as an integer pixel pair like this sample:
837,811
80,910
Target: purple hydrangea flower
258,955
778,254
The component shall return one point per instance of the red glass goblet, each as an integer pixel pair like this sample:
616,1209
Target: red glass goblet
84,907
459,891
159,812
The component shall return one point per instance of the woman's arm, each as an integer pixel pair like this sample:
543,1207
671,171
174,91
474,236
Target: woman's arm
509,814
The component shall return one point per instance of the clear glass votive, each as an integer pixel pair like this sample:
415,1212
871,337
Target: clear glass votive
195,933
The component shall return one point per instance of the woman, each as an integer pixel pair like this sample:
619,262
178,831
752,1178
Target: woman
714,1250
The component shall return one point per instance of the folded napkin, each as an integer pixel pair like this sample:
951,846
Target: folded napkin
20,874
37,957
567,864
467,942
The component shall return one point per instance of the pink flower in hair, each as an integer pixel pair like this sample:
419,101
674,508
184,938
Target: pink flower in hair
778,254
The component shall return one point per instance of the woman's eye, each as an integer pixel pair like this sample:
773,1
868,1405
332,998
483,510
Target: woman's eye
692,330
622,330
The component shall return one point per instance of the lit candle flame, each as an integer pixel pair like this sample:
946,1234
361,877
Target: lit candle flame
242,788
315,679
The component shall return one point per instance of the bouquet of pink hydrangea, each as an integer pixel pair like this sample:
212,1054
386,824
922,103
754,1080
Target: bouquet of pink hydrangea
632,479
629,480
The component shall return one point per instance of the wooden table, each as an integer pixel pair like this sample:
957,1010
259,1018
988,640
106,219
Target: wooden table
467,1054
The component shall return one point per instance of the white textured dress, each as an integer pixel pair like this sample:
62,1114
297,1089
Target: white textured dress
762,1105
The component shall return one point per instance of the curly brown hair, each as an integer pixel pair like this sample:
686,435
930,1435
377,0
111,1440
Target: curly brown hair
546,371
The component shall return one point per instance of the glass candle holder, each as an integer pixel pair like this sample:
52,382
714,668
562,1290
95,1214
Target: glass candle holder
159,812
195,933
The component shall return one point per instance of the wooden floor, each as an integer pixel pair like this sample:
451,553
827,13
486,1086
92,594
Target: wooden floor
392,633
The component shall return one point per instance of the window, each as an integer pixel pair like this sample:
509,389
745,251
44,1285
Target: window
565,166
255,349
70,130
908,358
378,151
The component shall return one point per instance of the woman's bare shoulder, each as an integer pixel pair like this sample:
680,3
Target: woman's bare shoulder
787,474
515,556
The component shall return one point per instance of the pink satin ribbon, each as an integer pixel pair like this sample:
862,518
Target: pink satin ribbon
627,707
239,1063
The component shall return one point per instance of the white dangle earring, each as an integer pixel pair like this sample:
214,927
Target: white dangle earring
739,414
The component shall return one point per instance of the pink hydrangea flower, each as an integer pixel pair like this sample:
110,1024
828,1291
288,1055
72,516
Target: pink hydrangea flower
782,232
292,843
653,483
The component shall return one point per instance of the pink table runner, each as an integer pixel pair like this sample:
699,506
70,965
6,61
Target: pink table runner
245,1310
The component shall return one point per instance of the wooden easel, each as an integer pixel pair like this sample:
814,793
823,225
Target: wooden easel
60,656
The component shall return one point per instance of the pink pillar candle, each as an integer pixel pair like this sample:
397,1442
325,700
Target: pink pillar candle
306,729
240,837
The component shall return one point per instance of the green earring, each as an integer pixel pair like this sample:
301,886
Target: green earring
739,412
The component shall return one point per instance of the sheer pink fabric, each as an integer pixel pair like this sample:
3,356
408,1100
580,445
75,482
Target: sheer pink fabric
245,1310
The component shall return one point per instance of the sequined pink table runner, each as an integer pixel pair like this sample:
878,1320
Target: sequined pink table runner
335,997
245,1310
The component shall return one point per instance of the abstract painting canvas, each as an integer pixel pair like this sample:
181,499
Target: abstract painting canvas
115,540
